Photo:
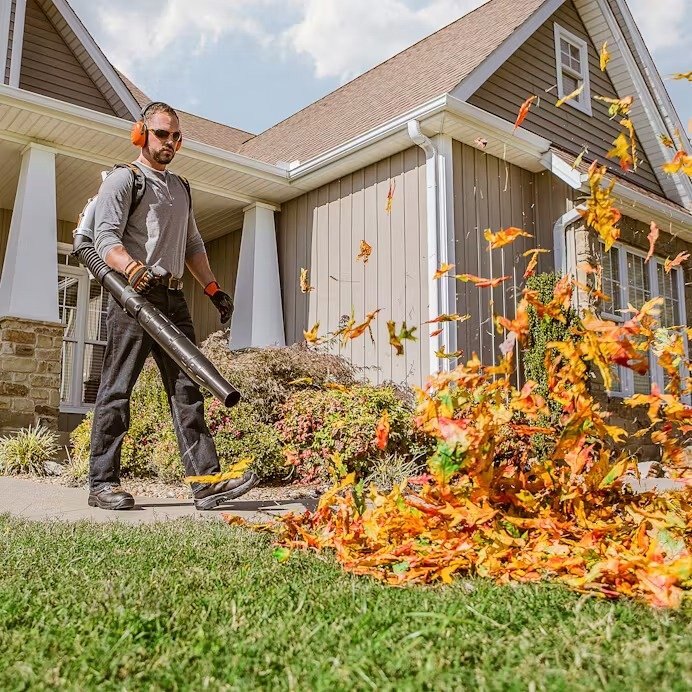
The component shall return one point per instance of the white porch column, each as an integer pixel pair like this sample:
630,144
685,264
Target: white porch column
258,317
29,280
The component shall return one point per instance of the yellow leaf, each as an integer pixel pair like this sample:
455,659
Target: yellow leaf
236,471
311,336
604,57
571,96
504,237
365,252
305,286
442,271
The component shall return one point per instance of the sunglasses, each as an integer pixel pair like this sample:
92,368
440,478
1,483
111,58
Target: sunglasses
165,135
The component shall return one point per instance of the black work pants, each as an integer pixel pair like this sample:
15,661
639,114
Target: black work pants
127,348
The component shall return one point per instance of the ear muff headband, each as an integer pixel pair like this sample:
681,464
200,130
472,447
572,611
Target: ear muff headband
138,133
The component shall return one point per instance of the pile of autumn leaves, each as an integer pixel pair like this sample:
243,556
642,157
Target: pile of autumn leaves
491,506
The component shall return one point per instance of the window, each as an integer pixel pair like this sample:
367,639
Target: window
627,280
572,60
82,305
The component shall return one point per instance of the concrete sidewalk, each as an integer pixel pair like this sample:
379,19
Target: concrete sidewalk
47,501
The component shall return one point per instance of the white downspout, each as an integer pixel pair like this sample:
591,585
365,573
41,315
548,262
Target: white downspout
562,256
437,246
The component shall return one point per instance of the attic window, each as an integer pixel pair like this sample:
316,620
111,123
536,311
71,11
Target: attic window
572,59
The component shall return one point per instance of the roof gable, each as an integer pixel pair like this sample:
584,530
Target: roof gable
430,68
51,52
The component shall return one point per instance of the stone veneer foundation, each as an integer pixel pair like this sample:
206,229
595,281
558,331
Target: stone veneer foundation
29,373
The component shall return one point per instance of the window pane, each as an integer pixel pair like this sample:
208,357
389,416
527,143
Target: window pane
638,289
569,84
96,317
67,363
668,290
93,364
67,304
610,261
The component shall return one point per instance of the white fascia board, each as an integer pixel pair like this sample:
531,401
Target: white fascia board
561,169
96,54
110,124
5,11
480,75
368,138
499,128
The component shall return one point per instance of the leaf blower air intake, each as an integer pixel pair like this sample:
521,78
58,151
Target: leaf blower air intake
173,342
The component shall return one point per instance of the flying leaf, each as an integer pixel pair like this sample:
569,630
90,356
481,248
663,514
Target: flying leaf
437,332
305,286
365,252
481,282
533,262
442,271
480,142
580,158
311,336
679,259
621,150
504,237
382,430
442,353
571,96
667,141
683,75
236,471
359,329
405,334
604,56
600,213
390,197
652,238
617,106
448,318
302,380
681,162
524,111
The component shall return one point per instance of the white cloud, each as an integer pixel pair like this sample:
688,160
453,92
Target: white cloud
661,23
345,38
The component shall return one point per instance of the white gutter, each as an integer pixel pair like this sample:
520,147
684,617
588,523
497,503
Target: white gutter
437,245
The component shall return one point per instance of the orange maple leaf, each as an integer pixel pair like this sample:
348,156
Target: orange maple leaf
480,282
365,252
442,271
382,430
652,238
524,111
679,259
504,237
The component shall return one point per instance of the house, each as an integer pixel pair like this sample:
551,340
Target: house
417,157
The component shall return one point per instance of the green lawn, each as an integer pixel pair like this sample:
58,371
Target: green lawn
199,605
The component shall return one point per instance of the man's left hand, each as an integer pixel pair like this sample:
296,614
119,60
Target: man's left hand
222,301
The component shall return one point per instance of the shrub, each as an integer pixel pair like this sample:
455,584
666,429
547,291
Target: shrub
266,377
318,424
26,451
239,434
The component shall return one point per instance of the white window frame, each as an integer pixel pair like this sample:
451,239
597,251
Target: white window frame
626,375
583,102
83,277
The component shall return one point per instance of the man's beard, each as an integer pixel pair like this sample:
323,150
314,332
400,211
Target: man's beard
163,156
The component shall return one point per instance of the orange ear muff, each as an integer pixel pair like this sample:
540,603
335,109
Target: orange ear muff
138,134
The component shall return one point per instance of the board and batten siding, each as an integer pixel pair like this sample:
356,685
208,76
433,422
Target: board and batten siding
491,193
322,230
49,66
532,70
223,256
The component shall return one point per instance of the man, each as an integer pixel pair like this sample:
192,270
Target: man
158,238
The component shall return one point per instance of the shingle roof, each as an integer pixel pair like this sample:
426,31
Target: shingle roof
429,68
198,128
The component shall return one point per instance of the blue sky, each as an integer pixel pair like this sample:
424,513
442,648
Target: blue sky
252,63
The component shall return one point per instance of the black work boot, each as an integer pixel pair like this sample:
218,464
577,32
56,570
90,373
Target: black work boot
211,495
111,497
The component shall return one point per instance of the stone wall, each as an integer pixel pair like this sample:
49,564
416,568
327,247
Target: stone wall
29,373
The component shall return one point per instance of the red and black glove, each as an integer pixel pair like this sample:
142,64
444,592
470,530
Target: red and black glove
143,278
222,301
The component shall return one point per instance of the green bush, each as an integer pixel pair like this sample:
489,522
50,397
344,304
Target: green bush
315,425
26,451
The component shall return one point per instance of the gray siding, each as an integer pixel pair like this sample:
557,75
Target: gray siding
223,256
322,230
532,70
49,66
489,193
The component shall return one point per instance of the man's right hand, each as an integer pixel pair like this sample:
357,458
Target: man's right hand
141,277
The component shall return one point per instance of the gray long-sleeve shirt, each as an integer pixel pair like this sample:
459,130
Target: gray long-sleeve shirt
160,232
